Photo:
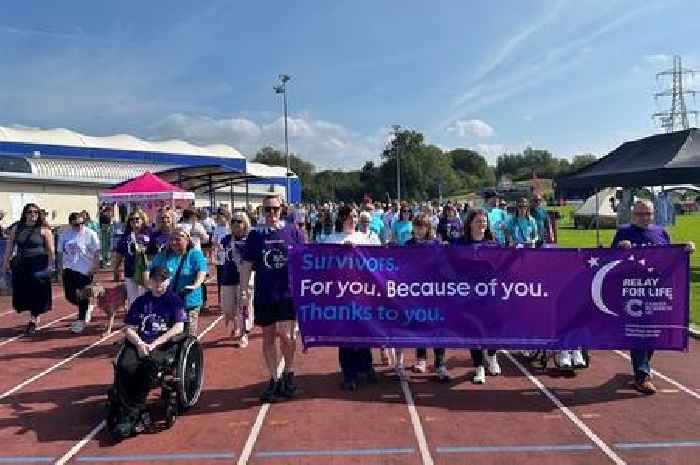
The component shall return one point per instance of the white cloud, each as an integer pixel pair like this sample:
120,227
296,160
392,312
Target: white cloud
471,127
491,151
325,144
658,59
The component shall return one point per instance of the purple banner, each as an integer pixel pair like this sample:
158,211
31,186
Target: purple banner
439,296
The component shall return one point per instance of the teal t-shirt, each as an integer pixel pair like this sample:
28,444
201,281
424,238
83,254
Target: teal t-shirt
523,229
194,262
498,222
542,220
402,231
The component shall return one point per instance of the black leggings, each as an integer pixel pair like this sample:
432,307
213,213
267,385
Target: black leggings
134,375
478,356
72,282
422,354
354,361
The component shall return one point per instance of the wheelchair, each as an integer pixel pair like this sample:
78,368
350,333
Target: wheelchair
180,378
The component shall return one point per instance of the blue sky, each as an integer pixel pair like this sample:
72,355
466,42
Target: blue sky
569,76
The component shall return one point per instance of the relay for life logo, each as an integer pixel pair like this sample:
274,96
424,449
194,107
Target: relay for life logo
631,285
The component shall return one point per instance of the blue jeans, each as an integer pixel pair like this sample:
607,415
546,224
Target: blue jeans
641,365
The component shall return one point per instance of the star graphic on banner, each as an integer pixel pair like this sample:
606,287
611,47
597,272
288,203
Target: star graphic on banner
650,270
593,262
631,258
642,262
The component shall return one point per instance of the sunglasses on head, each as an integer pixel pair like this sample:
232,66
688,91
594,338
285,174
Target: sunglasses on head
271,209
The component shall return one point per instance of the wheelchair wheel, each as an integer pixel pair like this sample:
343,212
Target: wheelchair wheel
190,373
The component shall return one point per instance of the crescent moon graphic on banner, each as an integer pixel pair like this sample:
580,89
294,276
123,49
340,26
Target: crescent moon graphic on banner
266,255
597,287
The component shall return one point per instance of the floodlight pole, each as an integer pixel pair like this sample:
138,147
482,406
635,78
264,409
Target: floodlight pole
282,89
397,128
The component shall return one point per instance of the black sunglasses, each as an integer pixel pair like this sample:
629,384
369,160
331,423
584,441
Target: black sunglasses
237,221
271,209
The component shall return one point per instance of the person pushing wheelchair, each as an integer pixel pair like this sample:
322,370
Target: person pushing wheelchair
151,324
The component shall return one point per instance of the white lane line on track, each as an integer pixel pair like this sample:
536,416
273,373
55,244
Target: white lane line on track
415,421
607,450
51,323
257,426
683,388
55,366
100,426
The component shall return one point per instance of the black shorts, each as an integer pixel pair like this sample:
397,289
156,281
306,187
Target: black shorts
267,314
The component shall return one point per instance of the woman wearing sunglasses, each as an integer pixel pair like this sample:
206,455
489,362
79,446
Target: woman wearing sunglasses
31,268
131,250
232,248
80,248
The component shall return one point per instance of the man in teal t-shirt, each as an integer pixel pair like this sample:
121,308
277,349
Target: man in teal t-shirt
498,218
539,213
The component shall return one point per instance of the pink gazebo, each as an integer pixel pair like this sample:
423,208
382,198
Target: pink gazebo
148,192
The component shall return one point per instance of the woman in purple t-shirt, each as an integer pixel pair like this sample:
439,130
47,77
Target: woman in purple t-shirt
478,234
131,250
424,235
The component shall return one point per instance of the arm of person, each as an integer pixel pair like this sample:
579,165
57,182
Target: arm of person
9,248
244,269
198,281
131,334
201,231
177,329
201,267
49,246
94,253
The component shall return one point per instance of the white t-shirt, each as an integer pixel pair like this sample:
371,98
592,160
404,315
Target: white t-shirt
196,233
216,237
356,238
79,249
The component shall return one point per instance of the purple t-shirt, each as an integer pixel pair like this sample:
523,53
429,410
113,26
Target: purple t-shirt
450,229
233,253
127,248
267,248
641,237
155,315
159,241
477,244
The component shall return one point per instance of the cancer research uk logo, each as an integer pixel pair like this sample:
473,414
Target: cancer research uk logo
628,285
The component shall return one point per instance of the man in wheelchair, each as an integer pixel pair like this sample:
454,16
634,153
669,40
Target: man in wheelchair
153,328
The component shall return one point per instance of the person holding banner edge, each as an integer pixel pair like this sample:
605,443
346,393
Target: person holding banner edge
642,232
266,250
477,233
424,235
354,361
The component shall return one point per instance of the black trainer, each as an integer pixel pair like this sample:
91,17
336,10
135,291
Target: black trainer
270,393
289,386
31,328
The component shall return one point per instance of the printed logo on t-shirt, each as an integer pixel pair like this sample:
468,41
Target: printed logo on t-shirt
274,258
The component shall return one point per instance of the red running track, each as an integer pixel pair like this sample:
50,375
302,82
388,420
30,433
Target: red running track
592,418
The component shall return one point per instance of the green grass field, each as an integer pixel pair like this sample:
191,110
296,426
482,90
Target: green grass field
687,228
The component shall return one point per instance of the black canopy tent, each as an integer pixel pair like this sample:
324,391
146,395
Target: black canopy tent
662,159
207,179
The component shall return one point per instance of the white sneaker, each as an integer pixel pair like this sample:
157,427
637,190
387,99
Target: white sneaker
480,375
564,359
78,326
494,367
442,373
243,341
420,366
578,359
88,314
